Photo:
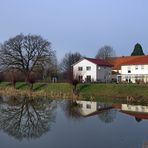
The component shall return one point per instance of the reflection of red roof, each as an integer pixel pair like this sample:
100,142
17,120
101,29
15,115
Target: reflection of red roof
99,62
127,60
136,114
139,115
118,106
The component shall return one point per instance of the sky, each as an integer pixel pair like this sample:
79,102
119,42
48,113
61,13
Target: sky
78,25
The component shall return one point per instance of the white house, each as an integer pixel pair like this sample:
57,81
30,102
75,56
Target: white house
135,70
92,70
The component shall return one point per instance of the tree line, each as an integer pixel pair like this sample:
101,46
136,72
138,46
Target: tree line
30,58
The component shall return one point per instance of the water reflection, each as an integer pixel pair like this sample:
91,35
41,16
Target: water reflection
139,112
105,111
72,109
108,116
145,144
23,117
78,109
26,118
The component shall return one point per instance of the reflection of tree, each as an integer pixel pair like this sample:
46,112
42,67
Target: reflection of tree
28,118
72,109
107,116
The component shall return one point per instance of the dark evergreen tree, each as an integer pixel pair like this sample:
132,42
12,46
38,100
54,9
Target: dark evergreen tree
137,50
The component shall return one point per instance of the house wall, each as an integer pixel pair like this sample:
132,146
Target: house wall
104,73
134,108
134,72
84,63
87,107
97,73
118,71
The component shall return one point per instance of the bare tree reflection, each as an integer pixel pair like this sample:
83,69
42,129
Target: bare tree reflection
107,116
72,109
25,117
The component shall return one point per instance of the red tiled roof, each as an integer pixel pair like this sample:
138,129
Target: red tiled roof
99,62
138,60
127,60
139,115
136,114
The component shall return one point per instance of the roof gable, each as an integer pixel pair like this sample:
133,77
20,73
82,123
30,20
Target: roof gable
96,62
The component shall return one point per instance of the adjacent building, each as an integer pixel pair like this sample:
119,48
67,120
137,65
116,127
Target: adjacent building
135,70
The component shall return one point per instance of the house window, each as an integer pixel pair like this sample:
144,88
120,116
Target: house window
129,71
129,68
88,68
80,68
142,66
136,67
88,106
88,78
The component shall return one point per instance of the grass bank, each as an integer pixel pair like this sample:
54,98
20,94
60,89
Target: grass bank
86,91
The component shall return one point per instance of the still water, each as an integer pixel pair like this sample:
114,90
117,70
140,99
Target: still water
40,122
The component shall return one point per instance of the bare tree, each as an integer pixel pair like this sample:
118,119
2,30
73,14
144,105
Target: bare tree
107,116
13,76
67,62
1,76
51,69
25,53
105,53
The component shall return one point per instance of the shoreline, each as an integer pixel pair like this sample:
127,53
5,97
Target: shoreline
90,92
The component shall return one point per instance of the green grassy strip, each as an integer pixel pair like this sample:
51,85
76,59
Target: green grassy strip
116,90
87,90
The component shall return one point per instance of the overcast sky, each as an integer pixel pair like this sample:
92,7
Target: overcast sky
78,25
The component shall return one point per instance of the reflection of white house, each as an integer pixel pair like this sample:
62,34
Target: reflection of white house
89,108
134,108
88,69
135,70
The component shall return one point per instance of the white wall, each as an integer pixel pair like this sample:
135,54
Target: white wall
85,110
125,68
139,72
84,63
